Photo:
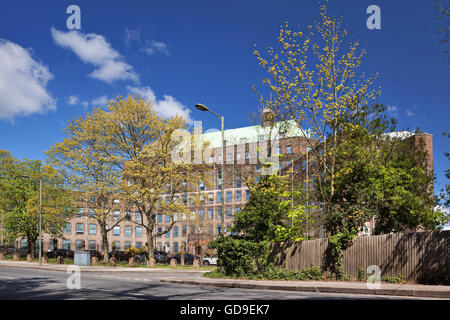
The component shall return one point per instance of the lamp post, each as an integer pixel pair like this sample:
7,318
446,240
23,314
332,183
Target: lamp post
202,107
40,218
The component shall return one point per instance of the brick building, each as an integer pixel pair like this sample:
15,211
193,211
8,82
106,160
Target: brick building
208,219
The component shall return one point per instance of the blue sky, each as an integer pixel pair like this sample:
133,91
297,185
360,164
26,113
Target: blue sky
184,52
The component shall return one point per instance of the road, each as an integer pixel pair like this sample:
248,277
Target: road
32,284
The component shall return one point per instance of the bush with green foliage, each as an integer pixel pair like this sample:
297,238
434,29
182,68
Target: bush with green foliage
274,273
240,257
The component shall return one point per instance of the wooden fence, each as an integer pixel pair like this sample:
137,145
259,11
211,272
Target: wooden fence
420,256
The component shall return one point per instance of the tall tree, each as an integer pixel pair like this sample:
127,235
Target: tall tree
89,169
316,82
143,144
21,199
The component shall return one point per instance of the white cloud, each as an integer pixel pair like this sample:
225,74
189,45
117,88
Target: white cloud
392,110
153,46
409,113
93,49
99,101
23,82
132,35
166,107
72,100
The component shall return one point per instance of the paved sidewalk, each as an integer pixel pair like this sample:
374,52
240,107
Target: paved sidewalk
321,286
63,267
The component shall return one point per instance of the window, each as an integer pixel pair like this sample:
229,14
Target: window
247,194
219,228
175,217
167,234
138,245
92,228
127,245
138,232
80,212
167,246
127,231
117,245
202,186
67,228
66,244
159,246
159,217
238,195
219,213
116,231
128,215
175,232
92,245
258,168
116,215
219,179
183,216
229,157
201,214
229,196
228,213
80,228
184,197
219,197
210,213
92,213
78,245
288,149
238,156
159,230
175,246
138,217
167,218
278,151
238,182
247,155
183,231
210,198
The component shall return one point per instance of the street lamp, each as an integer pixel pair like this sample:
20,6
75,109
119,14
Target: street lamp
202,107
40,218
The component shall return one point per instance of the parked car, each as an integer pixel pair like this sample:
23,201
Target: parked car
160,256
65,253
188,258
96,253
23,252
119,255
210,260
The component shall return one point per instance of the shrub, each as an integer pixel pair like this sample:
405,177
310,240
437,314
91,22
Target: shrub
240,257
395,279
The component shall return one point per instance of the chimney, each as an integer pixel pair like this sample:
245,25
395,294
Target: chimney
268,117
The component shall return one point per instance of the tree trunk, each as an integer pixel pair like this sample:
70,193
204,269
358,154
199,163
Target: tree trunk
150,243
105,246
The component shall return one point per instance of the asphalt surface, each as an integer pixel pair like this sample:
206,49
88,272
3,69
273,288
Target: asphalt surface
32,284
